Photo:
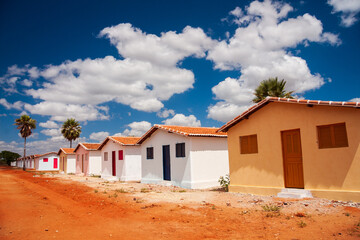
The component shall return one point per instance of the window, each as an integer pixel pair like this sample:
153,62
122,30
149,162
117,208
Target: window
121,155
150,153
45,160
105,156
180,150
248,144
332,136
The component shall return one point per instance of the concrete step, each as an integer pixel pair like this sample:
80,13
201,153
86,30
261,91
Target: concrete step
110,178
294,193
165,183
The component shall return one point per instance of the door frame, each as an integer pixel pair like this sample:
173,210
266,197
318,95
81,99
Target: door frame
166,170
283,156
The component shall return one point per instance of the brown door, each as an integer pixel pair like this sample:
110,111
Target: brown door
292,154
113,163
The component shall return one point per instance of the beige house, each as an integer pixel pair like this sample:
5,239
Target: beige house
67,158
296,144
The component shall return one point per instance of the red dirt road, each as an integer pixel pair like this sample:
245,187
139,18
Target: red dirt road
48,208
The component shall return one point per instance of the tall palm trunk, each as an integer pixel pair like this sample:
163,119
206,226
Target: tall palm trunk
24,153
70,143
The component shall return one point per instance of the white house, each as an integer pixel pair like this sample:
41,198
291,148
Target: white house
29,162
88,159
47,162
189,157
67,160
121,158
13,163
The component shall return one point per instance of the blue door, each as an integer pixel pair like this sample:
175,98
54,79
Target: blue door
166,162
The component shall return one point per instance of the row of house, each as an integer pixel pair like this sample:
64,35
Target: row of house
277,146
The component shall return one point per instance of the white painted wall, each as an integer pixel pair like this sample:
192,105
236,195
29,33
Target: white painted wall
94,163
71,163
48,166
128,169
13,164
152,169
209,161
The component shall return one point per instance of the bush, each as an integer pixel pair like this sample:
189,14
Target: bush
225,182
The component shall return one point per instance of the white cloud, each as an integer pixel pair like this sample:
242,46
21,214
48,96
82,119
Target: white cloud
137,129
27,83
49,124
354,100
99,136
12,147
52,132
16,105
348,9
61,112
166,113
182,120
259,49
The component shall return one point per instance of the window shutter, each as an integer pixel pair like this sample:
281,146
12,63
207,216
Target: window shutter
248,144
332,136
340,135
121,155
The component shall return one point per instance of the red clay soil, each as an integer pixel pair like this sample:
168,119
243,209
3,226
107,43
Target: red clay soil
48,208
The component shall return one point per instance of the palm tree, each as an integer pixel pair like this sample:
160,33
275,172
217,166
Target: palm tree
25,123
273,88
71,130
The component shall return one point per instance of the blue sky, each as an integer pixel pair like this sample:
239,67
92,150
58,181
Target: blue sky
119,67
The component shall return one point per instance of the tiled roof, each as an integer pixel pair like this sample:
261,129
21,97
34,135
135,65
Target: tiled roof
267,100
40,155
66,150
127,141
88,146
185,131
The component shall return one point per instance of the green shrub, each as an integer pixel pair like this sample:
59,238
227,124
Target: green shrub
270,208
225,182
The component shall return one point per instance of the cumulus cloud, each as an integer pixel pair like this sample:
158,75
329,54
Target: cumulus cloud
148,73
9,81
26,83
182,120
49,124
354,100
136,129
52,132
259,49
12,147
16,105
348,9
99,136
165,113
61,111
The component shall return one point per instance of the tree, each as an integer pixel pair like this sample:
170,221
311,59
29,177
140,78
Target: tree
71,130
273,88
8,156
25,124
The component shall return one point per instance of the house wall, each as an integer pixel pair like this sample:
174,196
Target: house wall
331,173
81,153
71,163
152,169
209,161
128,169
49,165
94,163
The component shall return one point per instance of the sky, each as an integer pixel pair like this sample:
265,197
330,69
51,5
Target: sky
119,67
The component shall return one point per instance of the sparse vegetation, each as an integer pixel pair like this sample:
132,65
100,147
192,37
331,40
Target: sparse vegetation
96,191
300,214
347,214
121,190
96,176
225,182
270,208
182,190
302,224
145,190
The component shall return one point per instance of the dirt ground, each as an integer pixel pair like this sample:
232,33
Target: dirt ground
58,206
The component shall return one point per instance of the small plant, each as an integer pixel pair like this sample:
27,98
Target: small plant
182,190
96,191
145,190
213,207
347,214
270,208
96,176
71,174
300,214
225,182
115,195
121,190
302,224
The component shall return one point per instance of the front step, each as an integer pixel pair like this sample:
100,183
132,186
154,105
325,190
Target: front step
165,183
110,178
294,193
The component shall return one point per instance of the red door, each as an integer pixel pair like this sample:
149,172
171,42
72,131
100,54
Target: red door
55,163
113,163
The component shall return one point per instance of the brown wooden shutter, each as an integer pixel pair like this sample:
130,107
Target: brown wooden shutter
248,144
332,136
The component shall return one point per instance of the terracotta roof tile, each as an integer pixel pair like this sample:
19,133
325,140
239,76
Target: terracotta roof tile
66,150
128,141
91,146
186,131
264,102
